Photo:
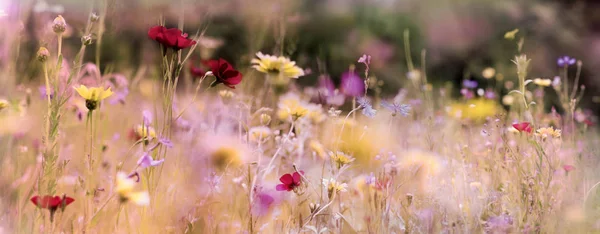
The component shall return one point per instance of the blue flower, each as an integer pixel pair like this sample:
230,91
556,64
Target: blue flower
367,108
396,108
565,61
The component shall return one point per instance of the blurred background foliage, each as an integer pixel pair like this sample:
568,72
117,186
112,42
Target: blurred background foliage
460,37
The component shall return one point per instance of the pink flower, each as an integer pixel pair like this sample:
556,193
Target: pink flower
568,168
290,182
523,127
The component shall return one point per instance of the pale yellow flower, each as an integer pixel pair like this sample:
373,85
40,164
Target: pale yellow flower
318,148
276,65
333,185
488,73
340,158
259,133
145,132
125,187
548,132
290,105
225,156
542,82
3,104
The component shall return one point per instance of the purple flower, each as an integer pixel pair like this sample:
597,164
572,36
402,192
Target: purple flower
147,117
262,204
468,94
565,61
490,94
396,108
352,85
471,84
370,179
499,224
327,94
166,142
43,93
147,161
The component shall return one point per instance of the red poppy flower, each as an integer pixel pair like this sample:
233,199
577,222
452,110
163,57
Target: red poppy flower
523,127
52,203
197,71
224,73
290,182
172,37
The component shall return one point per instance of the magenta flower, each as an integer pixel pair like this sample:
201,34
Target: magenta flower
523,127
352,85
289,182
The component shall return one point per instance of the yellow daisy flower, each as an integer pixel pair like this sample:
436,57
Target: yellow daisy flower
93,95
340,158
334,186
124,188
548,132
271,64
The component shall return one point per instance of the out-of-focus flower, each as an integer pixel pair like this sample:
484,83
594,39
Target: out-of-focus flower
565,61
147,161
542,82
318,148
352,85
340,158
290,105
3,104
488,73
508,100
367,108
333,186
314,113
477,110
43,54
523,127
144,132
52,203
171,38
59,25
396,108
260,133
93,96
94,17
277,66
499,224
510,35
414,75
471,84
223,157
568,168
125,189
197,72
548,132
556,82
224,73
290,182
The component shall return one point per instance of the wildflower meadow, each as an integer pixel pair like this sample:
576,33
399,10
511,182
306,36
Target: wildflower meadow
282,116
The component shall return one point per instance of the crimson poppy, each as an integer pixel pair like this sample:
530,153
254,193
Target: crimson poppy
523,127
224,73
52,203
290,182
170,37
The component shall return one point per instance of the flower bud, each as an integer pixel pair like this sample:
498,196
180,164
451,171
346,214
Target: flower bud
59,25
86,40
94,17
43,54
